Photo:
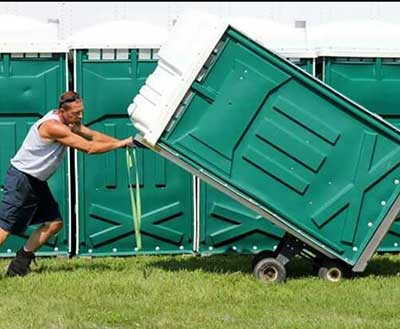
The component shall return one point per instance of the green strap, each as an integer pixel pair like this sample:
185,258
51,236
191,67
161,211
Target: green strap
135,205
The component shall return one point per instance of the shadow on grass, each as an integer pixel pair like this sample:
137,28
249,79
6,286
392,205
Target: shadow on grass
213,264
386,266
226,264
87,267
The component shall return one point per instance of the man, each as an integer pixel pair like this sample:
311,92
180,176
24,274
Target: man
27,199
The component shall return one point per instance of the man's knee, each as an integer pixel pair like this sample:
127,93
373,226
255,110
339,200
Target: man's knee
54,227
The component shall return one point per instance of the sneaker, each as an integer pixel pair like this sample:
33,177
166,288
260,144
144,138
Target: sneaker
20,265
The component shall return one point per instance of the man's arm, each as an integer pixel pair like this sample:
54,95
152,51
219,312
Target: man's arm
56,131
92,135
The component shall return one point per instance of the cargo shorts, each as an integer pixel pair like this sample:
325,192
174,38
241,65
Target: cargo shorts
26,201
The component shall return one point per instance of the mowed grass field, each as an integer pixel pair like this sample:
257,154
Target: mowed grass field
195,292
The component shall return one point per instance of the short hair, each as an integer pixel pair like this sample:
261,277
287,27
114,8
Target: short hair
68,97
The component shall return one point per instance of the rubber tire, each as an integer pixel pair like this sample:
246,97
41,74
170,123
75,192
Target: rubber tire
270,270
262,254
332,271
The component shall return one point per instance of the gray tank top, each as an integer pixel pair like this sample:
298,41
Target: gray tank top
38,157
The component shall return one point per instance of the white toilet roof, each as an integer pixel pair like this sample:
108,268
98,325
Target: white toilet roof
363,38
283,39
24,34
120,34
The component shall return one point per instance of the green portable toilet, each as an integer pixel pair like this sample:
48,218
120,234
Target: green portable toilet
111,62
280,141
33,75
361,59
225,224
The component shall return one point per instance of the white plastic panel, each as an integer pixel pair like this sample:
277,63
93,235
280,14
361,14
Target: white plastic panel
17,55
177,68
108,54
45,55
122,54
155,54
31,55
144,54
93,54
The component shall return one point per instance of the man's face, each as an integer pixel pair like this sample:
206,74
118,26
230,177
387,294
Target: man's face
73,115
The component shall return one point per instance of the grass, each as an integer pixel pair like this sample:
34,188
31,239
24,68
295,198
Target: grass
195,292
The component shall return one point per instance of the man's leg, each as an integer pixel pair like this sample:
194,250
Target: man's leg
20,265
40,236
48,215
3,235
10,206
16,212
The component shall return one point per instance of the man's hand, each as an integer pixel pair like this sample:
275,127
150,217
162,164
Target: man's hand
128,142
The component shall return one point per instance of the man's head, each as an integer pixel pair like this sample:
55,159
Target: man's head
71,108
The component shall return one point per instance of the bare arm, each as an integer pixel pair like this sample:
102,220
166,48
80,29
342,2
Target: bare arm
92,135
56,131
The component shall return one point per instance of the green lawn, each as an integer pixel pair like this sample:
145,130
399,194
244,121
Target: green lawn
195,292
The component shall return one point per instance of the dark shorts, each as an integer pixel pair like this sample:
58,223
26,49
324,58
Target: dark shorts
26,201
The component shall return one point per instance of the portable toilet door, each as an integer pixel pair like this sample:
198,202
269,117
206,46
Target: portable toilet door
361,60
225,224
33,75
111,62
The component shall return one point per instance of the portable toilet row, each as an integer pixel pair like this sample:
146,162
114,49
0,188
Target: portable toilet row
33,75
111,61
